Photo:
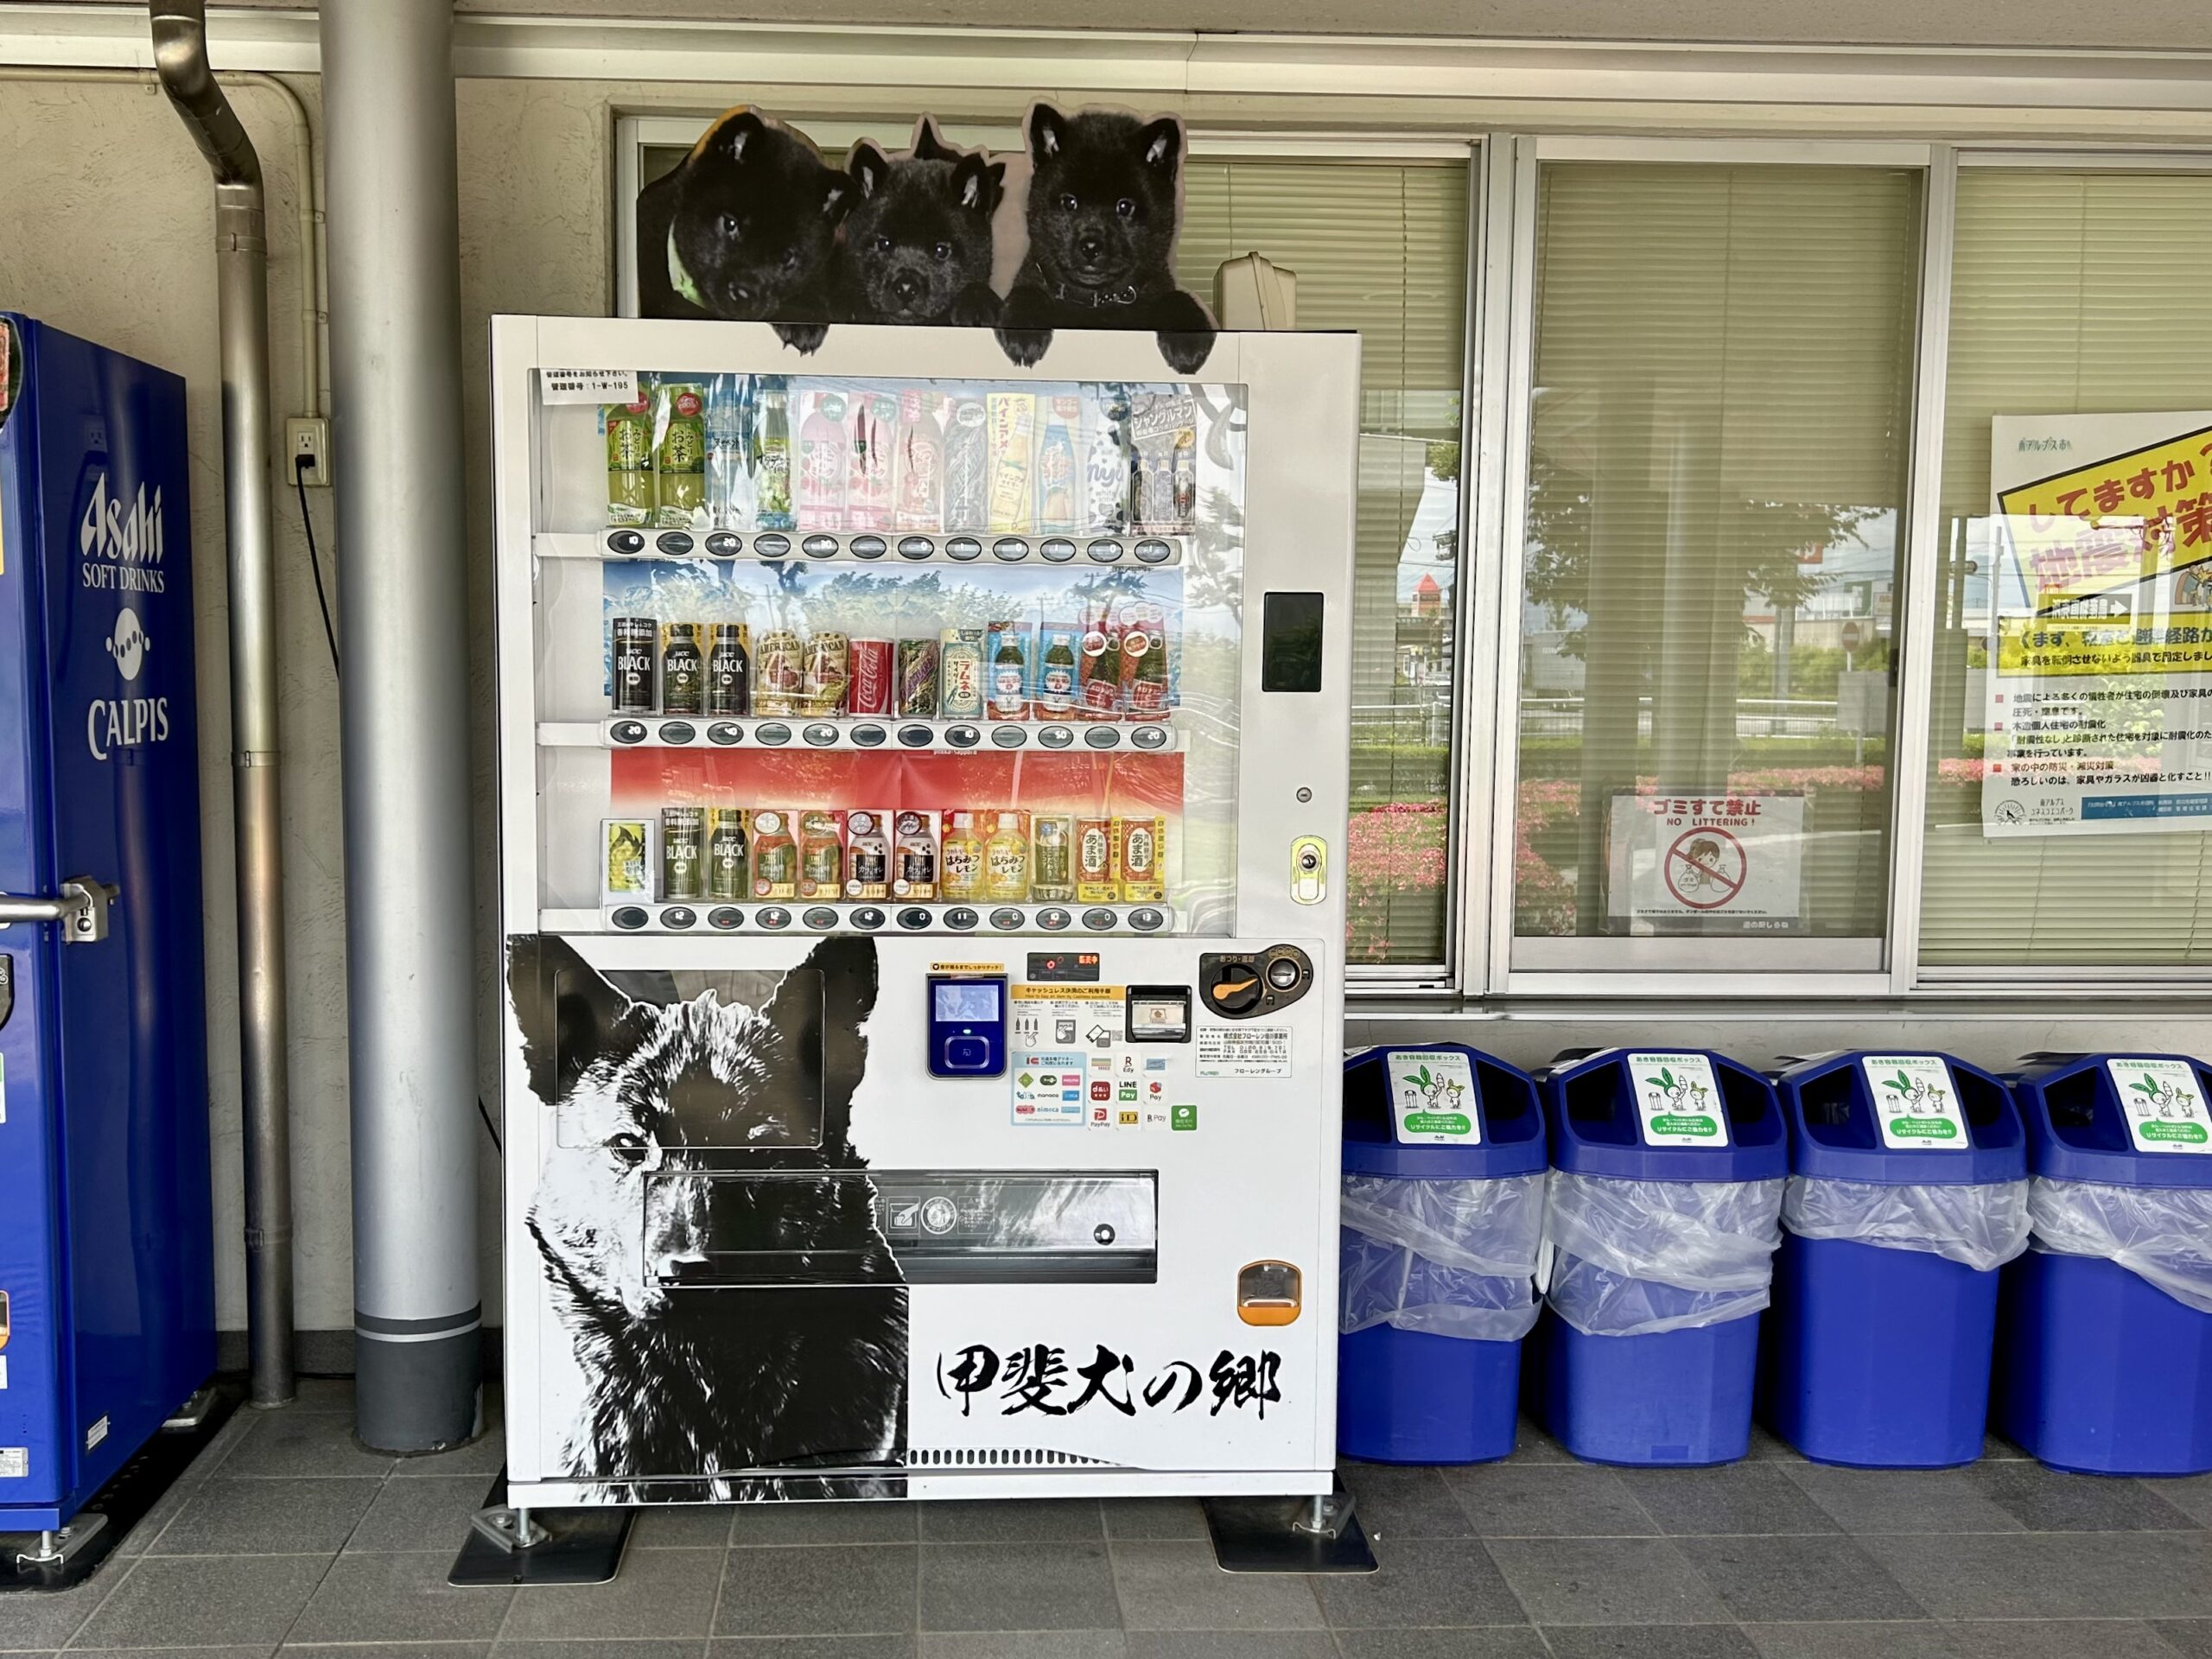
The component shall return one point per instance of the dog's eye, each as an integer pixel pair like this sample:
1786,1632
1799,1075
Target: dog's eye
629,1145
1126,208
943,250
1068,204
791,259
727,226
883,244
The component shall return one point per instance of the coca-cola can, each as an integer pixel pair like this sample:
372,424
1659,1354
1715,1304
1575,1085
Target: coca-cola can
868,686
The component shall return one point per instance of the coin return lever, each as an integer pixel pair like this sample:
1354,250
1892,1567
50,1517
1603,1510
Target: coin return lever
1269,1292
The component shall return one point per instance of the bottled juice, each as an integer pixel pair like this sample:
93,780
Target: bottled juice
1100,668
1144,665
821,855
868,856
868,487
821,461
1059,645
1008,656
1013,418
1106,460
918,485
913,851
960,866
729,461
1006,861
680,456
629,428
1051,859
775,856
728,870
1057,483
967,466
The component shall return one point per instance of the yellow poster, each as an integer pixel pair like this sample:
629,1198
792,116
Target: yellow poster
2141,516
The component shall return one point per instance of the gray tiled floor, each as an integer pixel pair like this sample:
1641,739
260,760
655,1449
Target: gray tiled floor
287,1535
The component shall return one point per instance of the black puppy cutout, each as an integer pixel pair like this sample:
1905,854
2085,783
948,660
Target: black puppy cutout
917,245
744,229
1104,209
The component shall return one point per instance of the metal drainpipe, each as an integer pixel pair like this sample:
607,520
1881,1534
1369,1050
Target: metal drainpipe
179,29
390,155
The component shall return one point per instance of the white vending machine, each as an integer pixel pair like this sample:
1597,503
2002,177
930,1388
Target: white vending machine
923,791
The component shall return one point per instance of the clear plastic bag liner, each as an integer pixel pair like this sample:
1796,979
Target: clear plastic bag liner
1636,1258
1452,1258
1982,1227
2160,1234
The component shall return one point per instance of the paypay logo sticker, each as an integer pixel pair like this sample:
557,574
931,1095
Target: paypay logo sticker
1432,1097
1915,1102
1679,1100
2165,1108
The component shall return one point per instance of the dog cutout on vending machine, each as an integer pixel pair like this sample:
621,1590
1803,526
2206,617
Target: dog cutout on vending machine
1077,231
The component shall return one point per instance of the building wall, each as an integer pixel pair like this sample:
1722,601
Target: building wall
108,213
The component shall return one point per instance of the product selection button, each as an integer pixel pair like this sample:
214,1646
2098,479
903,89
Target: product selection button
629,918
721,544
820,734
963,737
916,547
1053,919
677,733
1147,920
820,918
1100,921
677,544
626,542
818,547
1105,552
1102,737
961,918
913,918
724,917
916,737
868,919
1059,550
1006,918
775,733
678,916
1149,737
867,547
771,546
1009,737
627,731
869,737
1153,552
725,733
964,548
1009,547
775,917
1056,737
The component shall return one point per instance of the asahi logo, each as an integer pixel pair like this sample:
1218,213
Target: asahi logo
122,542
113,723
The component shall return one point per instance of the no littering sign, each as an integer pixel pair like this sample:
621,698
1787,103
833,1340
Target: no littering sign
1726,857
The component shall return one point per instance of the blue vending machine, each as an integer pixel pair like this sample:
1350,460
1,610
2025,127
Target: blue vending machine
107,1270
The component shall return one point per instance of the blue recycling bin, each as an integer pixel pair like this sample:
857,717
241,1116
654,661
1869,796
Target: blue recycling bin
1877,1354
2099,1369
1678,1395
1426,1389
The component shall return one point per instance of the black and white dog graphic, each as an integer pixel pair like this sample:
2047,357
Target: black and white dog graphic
707,1230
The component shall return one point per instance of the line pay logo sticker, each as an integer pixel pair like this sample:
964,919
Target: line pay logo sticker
1915,1102
2165,1108
1680,1100
1433,1098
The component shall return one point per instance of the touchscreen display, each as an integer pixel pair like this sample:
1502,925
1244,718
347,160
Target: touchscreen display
975,1004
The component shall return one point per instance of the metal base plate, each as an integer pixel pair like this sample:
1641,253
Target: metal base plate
578,1546
1273,1534
111,1513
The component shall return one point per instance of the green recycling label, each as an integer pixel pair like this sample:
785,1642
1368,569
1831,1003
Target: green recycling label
1433,1098
1915,1103
1679,1100
2165,1105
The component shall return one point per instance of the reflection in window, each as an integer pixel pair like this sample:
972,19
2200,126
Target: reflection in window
1717,457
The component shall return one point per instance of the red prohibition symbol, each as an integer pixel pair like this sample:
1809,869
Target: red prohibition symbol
1694,868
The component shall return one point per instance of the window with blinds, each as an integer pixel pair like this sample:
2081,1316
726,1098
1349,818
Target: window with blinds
1381,248
2071,293
1719,441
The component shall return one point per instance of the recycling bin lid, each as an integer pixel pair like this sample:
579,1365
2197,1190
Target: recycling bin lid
2125,1119
1892,1117
1660,1113
1440,1111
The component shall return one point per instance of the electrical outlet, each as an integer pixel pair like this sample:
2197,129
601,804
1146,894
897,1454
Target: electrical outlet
310,438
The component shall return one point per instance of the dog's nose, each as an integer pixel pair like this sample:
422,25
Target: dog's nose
1090,245
906,286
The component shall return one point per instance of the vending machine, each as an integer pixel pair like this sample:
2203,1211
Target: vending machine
923,789
107,1297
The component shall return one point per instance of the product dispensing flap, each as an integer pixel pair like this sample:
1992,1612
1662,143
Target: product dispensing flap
1678,1100
1915,1102
2165,1108
1433,1098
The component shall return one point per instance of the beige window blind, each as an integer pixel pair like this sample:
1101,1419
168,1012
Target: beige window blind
1718,447
2071,293
1379,247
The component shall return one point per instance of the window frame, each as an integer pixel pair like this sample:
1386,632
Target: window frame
1497,380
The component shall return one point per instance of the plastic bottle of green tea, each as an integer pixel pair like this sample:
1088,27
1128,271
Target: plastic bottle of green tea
630,499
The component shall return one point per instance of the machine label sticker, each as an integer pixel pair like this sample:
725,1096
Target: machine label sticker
1183,1117
96,1433
1243,1051
588,385
1048,1086
1433,1095
15,1462
1156,1115
2165,1108
1040,1378
1915,1102
1680,1100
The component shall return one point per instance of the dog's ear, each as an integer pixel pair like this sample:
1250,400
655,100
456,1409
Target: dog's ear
975,185
838,193
738,135
928,143
566,1008
1048,132
868,167
819,1009
1159,145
